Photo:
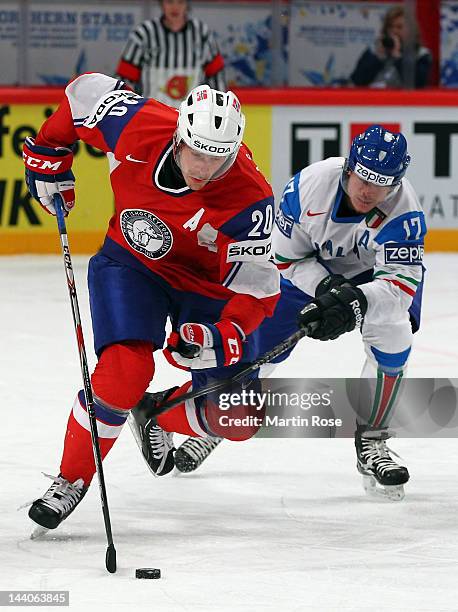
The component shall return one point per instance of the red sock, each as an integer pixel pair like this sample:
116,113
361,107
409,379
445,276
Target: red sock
201,419
239,423
177,419
119,381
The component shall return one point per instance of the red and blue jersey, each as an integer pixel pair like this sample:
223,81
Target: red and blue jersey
215,241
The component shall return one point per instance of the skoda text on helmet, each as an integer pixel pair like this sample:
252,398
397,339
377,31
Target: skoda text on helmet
379,156
210,122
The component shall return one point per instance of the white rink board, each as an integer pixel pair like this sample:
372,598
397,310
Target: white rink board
431,133
264,525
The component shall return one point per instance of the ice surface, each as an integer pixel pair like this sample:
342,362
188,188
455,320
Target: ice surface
264,525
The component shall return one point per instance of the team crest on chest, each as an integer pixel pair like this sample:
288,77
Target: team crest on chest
146,233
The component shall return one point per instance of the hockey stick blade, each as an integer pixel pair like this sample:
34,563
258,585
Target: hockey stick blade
110,559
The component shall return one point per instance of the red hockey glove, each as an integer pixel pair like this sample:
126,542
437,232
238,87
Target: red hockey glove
203,345
48,171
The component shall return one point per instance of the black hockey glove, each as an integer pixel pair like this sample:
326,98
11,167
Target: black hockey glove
338,311
328,283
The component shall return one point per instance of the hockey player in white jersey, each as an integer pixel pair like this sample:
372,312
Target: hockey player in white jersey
349,233
349,243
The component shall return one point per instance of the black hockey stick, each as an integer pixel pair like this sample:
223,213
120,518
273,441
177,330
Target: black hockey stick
221,384
110,558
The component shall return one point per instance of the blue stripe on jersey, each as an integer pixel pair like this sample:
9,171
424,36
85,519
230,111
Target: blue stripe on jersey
232,274
409,227
252,222
390,360
335,210
109,417
112,126
290,203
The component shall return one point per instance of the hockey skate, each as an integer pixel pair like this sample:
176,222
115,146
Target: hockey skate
155,444
382,476
193,452
56,505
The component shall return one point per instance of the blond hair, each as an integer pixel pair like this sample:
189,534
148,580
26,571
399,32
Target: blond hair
394,13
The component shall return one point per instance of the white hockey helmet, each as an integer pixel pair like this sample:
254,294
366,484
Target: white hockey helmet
210,122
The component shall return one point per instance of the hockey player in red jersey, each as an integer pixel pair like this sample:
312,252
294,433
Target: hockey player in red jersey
189,241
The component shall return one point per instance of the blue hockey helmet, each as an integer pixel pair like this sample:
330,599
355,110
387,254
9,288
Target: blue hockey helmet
379,156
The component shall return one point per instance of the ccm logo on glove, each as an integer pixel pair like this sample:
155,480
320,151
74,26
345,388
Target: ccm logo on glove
47,166
55,162
47,172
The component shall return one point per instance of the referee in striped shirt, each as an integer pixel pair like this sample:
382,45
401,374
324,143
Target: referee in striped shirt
167,57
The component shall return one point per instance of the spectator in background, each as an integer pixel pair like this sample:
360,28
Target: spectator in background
167,57
384,66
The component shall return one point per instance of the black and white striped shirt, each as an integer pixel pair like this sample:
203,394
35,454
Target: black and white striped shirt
166,65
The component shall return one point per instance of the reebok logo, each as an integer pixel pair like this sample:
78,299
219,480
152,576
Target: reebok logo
356,307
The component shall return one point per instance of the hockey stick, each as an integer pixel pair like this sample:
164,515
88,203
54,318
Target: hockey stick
288,343
110,557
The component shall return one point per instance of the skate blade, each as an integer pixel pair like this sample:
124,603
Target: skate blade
138,439
135,430
388,492
38,532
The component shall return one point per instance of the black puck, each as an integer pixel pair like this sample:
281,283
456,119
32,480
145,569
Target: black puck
150,573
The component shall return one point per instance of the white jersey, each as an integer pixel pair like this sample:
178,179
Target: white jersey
311,240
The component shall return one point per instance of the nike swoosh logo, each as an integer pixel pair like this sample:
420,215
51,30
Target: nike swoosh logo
312,214
137,161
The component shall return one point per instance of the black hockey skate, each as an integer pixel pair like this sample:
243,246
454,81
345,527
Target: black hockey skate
57,504
382,476
193,452
155,444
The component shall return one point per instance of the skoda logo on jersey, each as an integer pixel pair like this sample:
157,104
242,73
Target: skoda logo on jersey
113,103
373,177
146,233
